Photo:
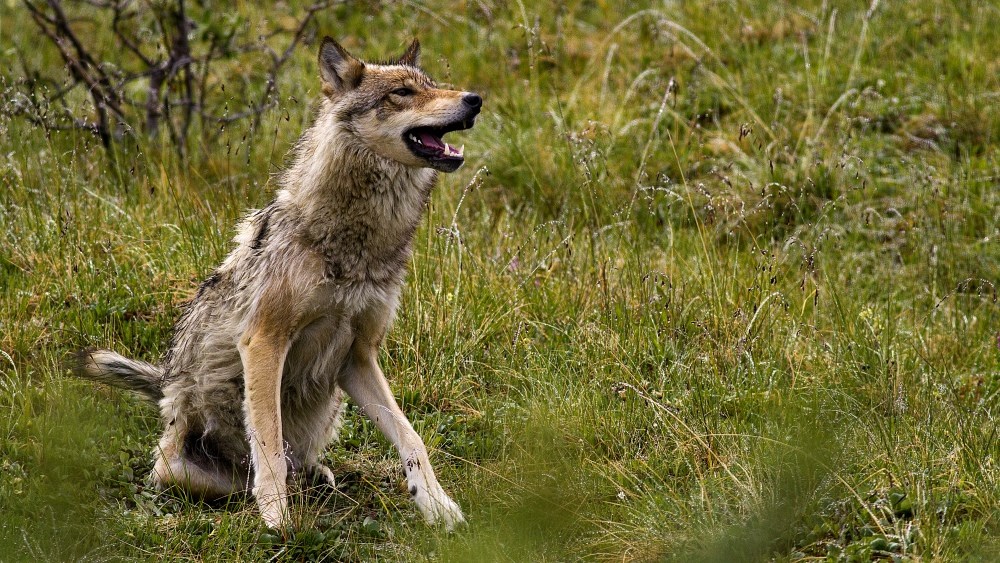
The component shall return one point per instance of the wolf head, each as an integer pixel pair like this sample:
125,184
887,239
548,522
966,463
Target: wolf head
395,109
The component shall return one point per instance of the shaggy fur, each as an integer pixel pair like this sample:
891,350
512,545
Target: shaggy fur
251,389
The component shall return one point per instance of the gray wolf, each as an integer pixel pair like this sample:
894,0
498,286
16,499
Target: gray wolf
252,387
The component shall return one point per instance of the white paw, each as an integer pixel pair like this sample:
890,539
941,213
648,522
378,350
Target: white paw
273,507
435,505
275,515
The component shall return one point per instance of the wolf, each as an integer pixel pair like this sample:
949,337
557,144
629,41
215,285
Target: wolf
251,389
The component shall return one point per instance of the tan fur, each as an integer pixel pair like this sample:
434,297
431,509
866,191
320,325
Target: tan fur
252,387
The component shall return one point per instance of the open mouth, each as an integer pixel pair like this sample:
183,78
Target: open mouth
428,143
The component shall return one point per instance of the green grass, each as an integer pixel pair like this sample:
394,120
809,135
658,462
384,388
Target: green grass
718,282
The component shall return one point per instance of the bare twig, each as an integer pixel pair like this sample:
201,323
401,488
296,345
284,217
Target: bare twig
179,77
81,65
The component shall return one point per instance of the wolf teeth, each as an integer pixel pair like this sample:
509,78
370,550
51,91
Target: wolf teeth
415,139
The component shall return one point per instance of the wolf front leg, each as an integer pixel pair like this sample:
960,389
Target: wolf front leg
263,356
366,385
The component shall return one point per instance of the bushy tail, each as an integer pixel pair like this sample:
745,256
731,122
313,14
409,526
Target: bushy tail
117,370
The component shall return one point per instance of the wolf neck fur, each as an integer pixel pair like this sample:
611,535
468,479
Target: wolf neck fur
358,207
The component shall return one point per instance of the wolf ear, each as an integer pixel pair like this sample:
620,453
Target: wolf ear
412,55
338,68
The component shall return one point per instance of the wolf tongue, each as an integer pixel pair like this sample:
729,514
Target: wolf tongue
431,141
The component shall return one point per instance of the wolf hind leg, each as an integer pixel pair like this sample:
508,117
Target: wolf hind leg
311,436
173,469
337,418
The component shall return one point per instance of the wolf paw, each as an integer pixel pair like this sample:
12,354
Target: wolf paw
274,510
435,505
317,475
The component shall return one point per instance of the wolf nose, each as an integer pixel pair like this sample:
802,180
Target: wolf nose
473,100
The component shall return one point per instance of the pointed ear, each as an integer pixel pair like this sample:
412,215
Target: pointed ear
338,68
412,55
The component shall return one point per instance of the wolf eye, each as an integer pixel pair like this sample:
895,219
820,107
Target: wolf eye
402,92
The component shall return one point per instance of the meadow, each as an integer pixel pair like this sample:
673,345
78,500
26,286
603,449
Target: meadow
717,282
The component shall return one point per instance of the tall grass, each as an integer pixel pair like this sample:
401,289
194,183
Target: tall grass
717,282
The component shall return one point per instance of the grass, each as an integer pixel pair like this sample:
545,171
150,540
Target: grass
718,282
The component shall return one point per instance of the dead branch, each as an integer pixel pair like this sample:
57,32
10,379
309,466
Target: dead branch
180,82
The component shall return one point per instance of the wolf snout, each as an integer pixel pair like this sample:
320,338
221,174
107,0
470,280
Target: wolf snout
473,100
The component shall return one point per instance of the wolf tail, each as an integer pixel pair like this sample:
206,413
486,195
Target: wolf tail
114,369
